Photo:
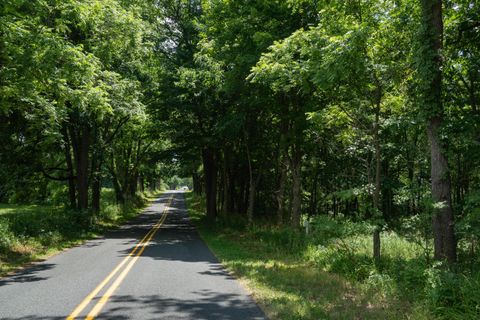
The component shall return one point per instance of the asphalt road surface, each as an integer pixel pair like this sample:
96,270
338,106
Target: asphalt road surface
155,267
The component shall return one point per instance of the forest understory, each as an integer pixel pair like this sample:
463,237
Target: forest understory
330,273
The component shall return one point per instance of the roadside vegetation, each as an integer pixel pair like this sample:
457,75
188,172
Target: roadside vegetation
330,273
360,118
78,145
32,232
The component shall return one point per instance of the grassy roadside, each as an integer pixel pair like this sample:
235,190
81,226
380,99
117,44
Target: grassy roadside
31,233
289,285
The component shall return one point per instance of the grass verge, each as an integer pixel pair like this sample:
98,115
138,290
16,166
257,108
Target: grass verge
31,233
288,283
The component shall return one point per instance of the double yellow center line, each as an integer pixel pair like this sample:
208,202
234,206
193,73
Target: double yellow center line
130,259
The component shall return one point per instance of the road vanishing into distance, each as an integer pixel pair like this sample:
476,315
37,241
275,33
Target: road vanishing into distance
154,267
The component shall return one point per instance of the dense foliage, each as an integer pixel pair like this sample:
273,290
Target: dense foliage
280,111
361,109
76,78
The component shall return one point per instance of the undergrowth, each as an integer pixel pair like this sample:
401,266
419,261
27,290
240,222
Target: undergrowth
31,232
290,272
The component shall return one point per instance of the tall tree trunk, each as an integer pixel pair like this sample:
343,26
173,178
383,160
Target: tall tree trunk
97,160
240,193
120,199
443,220
81,148
282,167
222,184
281,191
231,188
96,194
197,184
226,182
252,188
388,207
376,194
251,198
297,186
133,184
72,195
210,169
378,163
126,174
313,195
82,169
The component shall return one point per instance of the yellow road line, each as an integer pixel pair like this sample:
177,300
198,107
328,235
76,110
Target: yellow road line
101,303
95,291
102,284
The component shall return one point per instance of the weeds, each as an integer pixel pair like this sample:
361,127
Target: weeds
289,272
29,232
283,270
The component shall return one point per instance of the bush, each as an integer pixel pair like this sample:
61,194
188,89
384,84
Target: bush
382,283
51,239
344,247
343,256
58,194
453,295
326,228
110,212
468,226
29,231
35,221
285,239
7,238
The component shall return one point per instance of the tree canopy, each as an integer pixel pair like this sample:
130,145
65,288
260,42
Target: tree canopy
278,110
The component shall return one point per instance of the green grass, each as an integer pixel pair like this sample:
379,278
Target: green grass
33,232
330,274
293,277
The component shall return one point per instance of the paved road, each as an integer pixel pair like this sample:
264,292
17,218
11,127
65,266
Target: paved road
170,275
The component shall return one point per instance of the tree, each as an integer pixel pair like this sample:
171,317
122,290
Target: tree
71,81
431,78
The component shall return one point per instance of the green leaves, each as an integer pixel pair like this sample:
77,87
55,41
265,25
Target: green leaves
285,67
70,71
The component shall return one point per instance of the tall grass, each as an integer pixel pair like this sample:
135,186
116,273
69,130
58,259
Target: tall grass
29,232
405,284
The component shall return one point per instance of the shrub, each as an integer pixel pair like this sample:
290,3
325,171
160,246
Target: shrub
452,295
50,238
326,228
468,226
7,238
110,212
58,194
285,239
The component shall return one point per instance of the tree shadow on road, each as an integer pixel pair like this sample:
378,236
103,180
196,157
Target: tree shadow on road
29,274
209,306
35,318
